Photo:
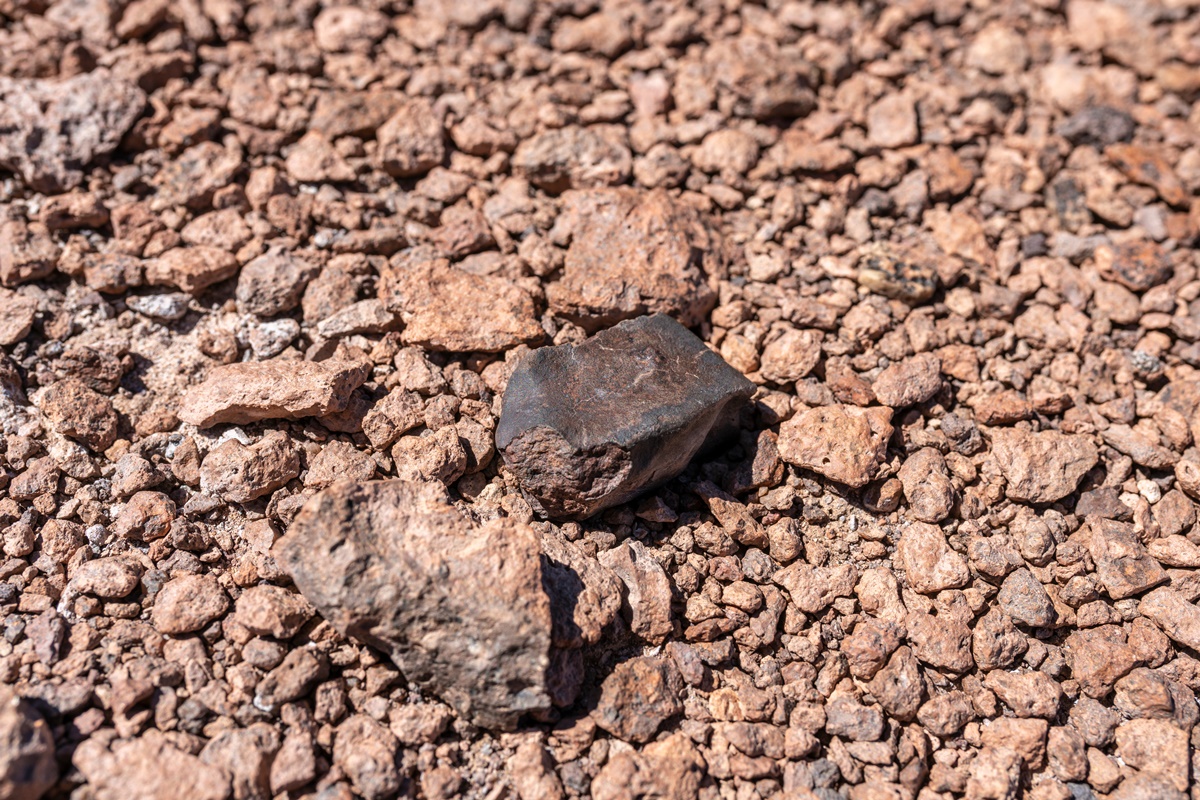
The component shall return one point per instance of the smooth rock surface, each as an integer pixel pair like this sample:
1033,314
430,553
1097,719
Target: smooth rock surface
586,427
460,608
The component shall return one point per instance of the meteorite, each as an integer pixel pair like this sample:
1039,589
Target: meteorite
586,427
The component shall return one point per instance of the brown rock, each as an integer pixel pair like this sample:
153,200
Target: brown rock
1099,657
367,752
16,316
273,283
1177,617
1150,166
1042,467
638,696
427,569
393,415
532,771
278,389
1138,266
412,142
927,485
946,714
27,765
148,768
267,610
188,603
192,269
635,253
892,122
647,605
941,642
108,578
235,472
585,595
814,588
791,356
844,443
1123,566
77,412
313,159
1024,599
1156,747
1028,694
1025,737
52,130
436,456
898,685
929,563
445,308
572,158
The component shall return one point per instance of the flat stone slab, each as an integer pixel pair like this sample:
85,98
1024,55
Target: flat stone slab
586,427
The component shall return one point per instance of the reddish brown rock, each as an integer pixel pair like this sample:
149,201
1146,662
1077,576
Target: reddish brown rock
572,158
647,590
16,316
192,269
1178,618
240,473
445,308
26,252
1123,566
927,485
929,563
474,623
639,696
188,603
279,389
634,253
76,411
412,141
1044,466
148,768
27,765
844,443
52,130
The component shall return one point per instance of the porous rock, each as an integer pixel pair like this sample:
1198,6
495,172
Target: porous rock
458,607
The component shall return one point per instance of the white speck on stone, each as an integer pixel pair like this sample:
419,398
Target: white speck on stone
1149,490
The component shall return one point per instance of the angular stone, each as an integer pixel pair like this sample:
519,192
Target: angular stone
147,768
586,427
584,594
76,411
572,158
27,765
1171,611
929,564
16,316
27,252
445,308
632,253
192,269
188,603
908,382
844,443
240,473
638,696
647,590
1123,566
1024,599
51,130
895,275
1042,467
279,389
459,608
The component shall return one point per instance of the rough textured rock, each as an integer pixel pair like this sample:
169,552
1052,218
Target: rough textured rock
572,158
844,443
578,446
445,308
647,590
76,411
192,269
148,768
241,473
635,253
1044,466
189,603
279,389
27,765
51,130
638,696
459,608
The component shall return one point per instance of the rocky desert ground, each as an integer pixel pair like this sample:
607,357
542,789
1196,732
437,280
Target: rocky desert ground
268,269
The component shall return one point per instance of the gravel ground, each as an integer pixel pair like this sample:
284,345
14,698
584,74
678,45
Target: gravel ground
255,251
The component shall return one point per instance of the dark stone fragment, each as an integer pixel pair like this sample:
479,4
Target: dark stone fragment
1103,502
586,427
1098,125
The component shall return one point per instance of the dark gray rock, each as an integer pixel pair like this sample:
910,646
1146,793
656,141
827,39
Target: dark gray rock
586,427
460,608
